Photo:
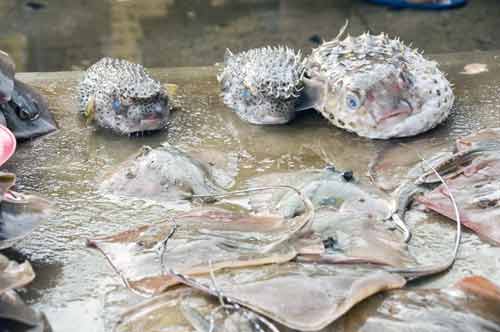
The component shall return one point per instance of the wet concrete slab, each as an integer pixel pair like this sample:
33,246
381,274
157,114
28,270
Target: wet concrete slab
75,284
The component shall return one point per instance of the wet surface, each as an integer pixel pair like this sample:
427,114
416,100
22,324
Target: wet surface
60,35
76,284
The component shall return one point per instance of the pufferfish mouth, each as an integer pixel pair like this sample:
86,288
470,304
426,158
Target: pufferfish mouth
149,123
152,122
404,107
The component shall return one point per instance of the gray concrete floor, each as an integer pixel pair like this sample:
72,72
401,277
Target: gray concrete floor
65,35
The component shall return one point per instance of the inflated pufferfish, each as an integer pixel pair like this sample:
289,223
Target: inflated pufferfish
261,85
376,87
121,96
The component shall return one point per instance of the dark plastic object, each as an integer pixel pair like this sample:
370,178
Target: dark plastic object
400,4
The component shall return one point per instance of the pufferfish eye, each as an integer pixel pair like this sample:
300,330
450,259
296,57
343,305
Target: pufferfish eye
116,105
245,93
353,102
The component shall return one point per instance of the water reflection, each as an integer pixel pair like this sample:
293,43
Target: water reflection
66,35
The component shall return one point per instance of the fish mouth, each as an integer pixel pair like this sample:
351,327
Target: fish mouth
152,123
404,108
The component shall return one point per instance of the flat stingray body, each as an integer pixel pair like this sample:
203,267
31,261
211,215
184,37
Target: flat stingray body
477,193
227,239
162,174
326,188
326,292
15,315
13,274
357,237
20,213
475,184
473,304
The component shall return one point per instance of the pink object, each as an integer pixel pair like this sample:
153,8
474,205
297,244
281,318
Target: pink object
7,144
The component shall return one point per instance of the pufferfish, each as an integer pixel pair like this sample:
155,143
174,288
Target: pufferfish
376,87
262,85
121,96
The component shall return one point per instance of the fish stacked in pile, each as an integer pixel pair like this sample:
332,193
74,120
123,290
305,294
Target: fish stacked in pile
320,236
15,315
316,242
19,215
26,115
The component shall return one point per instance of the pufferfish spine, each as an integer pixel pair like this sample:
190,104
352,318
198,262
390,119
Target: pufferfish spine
270,77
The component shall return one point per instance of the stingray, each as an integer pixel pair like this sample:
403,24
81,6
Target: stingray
13,274
305,297
472,304
396,163
477,191
350,217
473,175
226,238
20,213
15,315
164,310
328,187
168,174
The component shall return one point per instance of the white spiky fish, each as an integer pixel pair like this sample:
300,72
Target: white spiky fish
121,96
261,85
376,87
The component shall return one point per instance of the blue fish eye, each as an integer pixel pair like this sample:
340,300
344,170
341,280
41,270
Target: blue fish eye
353,102
116,105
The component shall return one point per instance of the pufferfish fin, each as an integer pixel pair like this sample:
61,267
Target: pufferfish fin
312,95
171,89
89,112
